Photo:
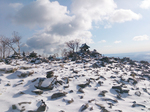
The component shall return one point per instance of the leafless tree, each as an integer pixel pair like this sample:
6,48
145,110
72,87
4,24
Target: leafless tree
64,52
3,46
17,40
77,43
71,45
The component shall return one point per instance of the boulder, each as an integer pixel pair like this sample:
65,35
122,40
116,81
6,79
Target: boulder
49,74
58,95
46,84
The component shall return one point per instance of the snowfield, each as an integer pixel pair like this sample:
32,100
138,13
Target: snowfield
91,85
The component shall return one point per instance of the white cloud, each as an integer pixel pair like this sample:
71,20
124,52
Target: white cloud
141,38
117,42
60,25
145,4
102,41
122,15
16,5
42,13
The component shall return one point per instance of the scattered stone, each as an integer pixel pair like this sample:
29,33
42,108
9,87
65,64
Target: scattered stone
102,107
49,74
103,92
83,85
71,91
34,80
39,92
136,105
91,108
14,107
70,101
80,90
84,107
138,93
46,84
42,107
91,100
58,95
108,99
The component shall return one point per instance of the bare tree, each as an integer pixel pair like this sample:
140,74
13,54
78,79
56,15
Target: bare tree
16,39
3,46
71,45
77,43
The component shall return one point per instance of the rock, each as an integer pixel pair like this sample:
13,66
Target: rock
91,108
42,107
46,84
39,92
49,74
138,93
108,99
24,73
58,95
103,92
102,107
136,105
14,107
100,82
84,107
133,80
83,85
70,101
91,100
80,90
38,62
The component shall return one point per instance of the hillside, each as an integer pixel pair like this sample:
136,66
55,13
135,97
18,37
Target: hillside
91,84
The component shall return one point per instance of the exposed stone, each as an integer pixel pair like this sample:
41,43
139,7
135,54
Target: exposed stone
80,90
14,107
84,107
103,92
42,107
58,95
49,74
138,93
39,92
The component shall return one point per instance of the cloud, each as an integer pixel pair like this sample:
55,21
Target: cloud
123,15
16,5
117,42
141,38
102,41
60,25
42,13
145,4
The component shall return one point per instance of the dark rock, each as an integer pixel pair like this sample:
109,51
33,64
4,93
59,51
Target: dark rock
138,93
58,95
14,107
84,107
42,107
39,92
103,92
70,101
80,90
136,105
83,85
108,99
49,74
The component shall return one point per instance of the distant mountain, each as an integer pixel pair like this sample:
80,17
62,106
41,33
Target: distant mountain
138,56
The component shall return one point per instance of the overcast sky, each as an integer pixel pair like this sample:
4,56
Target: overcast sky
110,26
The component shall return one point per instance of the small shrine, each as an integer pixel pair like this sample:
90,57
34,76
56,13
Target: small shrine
84,47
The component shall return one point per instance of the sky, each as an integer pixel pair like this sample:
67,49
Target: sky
109,26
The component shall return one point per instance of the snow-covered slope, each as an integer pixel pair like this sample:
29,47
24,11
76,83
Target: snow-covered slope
73,87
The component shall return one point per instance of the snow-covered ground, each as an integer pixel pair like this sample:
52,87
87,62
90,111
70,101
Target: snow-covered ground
117,87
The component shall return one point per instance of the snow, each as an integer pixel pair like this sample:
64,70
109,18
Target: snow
14,89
